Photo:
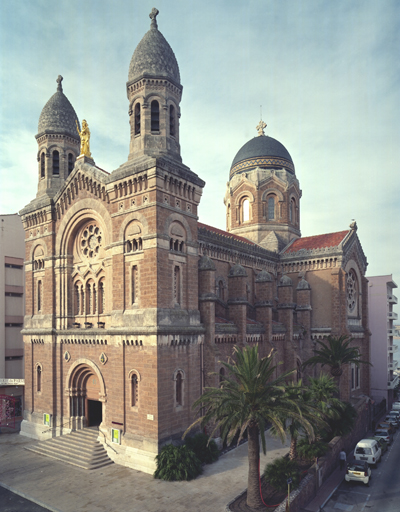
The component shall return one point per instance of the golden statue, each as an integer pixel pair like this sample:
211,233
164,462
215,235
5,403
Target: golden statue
84,134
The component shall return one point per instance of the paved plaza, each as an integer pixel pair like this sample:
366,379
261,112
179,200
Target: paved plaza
64,488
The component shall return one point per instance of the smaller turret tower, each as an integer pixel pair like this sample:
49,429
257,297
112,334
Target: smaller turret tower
58,142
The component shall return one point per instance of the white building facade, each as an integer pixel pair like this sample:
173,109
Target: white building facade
382,300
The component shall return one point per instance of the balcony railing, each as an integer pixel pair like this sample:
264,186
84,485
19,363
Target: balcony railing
392,299
393,383
392,349
393,365
392,315
391,332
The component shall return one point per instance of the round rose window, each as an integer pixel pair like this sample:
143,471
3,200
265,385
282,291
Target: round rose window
91,241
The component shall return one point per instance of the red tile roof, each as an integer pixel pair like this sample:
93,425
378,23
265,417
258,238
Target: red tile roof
317,242
225,233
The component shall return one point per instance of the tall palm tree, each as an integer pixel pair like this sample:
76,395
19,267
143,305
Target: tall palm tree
249,399
335,352
294,427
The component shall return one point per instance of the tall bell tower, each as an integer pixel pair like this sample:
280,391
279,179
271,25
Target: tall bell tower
154,93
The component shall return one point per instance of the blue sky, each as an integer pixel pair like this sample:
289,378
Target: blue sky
325,72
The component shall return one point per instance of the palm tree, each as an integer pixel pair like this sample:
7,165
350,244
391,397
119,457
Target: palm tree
335,352
294,427
249,399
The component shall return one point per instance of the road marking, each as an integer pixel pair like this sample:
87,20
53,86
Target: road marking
366,501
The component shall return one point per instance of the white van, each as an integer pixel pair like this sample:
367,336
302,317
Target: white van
368,450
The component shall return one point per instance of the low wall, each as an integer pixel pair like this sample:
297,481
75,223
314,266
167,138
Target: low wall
320,472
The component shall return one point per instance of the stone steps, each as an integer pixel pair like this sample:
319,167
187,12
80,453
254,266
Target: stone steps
79,448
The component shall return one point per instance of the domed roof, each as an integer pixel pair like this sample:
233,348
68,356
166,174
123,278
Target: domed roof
263,277
285,281
58,115
205,263
154,56
303,285
237,271
261,151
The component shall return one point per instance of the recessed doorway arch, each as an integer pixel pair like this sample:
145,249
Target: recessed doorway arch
85,386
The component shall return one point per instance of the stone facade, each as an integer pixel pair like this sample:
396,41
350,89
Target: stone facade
131,302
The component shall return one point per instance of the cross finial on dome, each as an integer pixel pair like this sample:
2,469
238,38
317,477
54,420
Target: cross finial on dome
153,16
260,127
59,80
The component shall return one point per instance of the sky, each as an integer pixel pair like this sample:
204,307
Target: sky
325,73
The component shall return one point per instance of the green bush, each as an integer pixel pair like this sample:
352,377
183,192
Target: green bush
207,452
277,472
177,463
310,451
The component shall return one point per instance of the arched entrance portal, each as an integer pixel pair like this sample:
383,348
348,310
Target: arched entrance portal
86,410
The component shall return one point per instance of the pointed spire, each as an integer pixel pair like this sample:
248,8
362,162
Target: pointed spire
59,86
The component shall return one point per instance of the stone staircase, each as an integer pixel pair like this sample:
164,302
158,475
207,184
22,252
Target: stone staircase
79,448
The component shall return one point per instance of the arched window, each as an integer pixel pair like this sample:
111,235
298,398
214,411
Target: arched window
246,210
292,211
134,284
39,296
172,120
42,166
38,378
102,297
155,116
89,299
178,389
271,207
56,163
77,299
221,290
134,390
70,163
137,119
221,375
177,285
352,293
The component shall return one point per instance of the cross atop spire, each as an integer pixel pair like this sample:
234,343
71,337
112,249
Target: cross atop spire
260,127
153,16
59,80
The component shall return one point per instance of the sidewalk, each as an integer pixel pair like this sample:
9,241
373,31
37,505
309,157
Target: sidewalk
60,487
325,491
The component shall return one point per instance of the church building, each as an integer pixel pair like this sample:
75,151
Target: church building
131,302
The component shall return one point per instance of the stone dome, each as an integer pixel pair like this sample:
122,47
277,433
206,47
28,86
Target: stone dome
58,115
285,281
264,277
261,151
154,56
205,263
303,285
237,271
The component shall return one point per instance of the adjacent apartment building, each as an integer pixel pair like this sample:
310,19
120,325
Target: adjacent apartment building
12,254
383,353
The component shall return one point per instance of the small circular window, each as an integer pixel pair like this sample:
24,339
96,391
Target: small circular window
91,241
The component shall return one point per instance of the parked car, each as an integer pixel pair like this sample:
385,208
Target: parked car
358,471
393,420
396,406
382,443
368,450
384,434
395,414
385,425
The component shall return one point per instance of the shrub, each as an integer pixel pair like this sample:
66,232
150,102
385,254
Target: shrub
277,472
310,451
177,463
206,451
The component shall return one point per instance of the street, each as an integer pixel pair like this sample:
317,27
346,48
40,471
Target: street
383,492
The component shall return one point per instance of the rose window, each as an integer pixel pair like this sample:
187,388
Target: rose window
351,291
91,241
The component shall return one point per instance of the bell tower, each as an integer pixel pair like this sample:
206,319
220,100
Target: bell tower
262,198
58,142
154,93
